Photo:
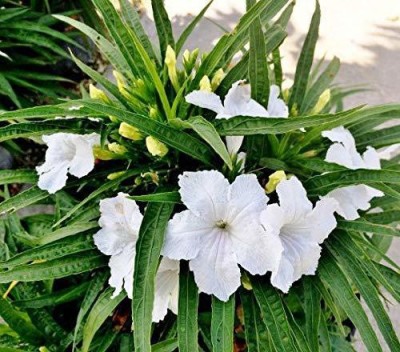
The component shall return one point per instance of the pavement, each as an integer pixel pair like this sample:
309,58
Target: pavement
364,34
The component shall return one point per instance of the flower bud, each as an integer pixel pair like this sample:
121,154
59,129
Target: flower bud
205,84
98,94
117,148
155,147
130,132
322,101
102,154
115,175
217,79
170,61
274,180
122,87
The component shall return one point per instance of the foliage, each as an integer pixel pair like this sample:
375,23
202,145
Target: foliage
55,278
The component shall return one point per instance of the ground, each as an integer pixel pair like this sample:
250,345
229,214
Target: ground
364,35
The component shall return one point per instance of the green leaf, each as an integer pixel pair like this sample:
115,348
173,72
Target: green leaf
257,335
188,329
7,89
51,251
112,53
35,129
101,310
207,131
333,277
148,248
23,199
19,324
258,66
366,226
176,139
163,26
161,197
304,64
273,315
17,176
54,298
54,269
312,309
380,138
322,83
190,27
368,291
165,346
222,324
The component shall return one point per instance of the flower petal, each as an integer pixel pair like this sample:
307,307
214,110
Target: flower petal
120,221
166,289
237,99
204,193
184,235
233,143
276,106
205,100
293,199
215,267
371,159
83,160
350,199
122,266
340,135
246,200
389,152
54,178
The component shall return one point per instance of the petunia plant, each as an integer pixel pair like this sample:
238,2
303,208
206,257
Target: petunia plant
192,203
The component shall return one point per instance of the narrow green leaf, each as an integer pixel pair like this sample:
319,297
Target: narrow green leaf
188,329
148,248
258,66
7,89
366,226
17,176
207,131
161,197
23,199
163,26
165,346
190,27
101,310
257,335
54,269
273,315
312,309
333,277
304,64
222,324
368,291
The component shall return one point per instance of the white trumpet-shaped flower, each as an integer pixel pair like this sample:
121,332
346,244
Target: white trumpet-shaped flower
66,153
344,152
120,222
238,102
301,229
221,230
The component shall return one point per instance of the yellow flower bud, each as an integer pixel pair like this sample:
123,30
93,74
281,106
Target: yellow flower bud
130,132
274,180
121,83
98,94
155,147
103,154
153,113
205,84
117,148
322,101
115,175
170,61
217,79
186,55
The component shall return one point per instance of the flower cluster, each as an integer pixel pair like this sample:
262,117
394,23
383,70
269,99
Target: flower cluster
226,226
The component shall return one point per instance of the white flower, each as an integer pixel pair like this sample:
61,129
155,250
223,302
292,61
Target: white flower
344,152
66,153
120,222
301,230
389,152
238,102
221,230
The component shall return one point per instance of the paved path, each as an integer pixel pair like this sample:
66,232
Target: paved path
364,34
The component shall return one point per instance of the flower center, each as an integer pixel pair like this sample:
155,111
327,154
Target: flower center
222,224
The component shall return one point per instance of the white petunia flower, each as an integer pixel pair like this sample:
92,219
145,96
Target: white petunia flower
344,152
220,230
301,229
66,153
238,102
120,222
